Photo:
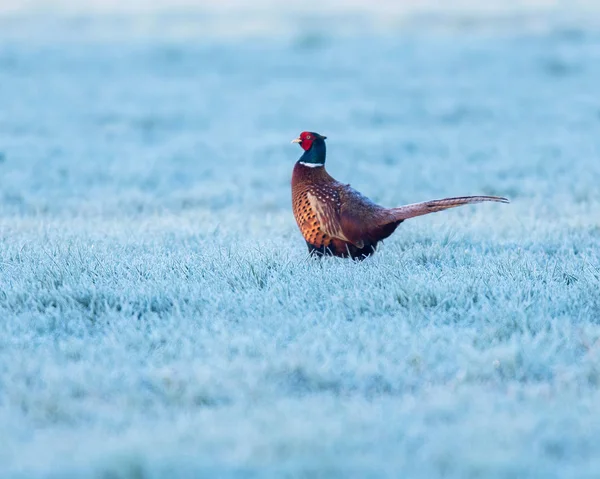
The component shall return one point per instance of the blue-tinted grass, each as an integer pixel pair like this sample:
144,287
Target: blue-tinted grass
159,314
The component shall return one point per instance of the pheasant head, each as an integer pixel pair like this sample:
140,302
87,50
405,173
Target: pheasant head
313,145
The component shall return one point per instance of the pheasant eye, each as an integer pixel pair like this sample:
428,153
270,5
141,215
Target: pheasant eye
308,137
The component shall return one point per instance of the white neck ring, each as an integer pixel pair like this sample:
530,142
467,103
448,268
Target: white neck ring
311,165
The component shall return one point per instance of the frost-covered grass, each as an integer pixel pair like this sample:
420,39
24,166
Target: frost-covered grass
159,314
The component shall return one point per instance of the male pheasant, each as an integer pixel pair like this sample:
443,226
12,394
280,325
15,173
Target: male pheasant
337,220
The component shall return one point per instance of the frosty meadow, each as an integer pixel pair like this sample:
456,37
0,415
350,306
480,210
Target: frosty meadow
159,313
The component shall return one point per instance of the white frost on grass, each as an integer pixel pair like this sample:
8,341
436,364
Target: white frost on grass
160,316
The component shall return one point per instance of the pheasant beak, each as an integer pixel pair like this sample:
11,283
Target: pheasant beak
297,140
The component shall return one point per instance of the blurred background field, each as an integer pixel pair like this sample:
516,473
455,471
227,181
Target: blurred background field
159,314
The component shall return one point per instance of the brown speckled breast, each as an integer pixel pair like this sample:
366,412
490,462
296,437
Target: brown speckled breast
306,217
307,182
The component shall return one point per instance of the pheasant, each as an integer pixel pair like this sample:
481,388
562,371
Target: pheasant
337,220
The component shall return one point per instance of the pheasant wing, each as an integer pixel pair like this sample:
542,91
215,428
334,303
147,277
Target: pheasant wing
327,210
360,218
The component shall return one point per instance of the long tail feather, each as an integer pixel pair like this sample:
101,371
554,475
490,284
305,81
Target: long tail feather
419,209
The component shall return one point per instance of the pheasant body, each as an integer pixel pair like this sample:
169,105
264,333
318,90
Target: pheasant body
337,220
319,202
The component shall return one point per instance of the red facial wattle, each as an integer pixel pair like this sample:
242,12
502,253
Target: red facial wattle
307,143
307,140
